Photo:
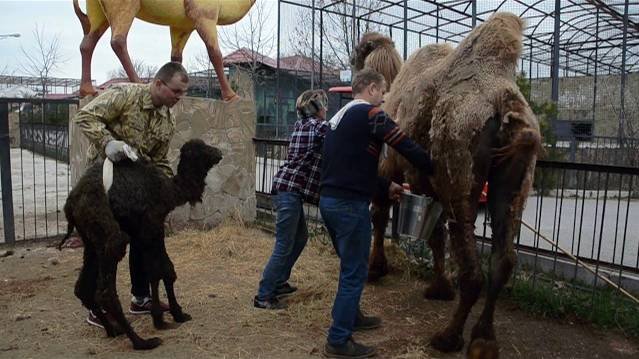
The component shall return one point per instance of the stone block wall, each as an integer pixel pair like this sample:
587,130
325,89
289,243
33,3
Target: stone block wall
230,185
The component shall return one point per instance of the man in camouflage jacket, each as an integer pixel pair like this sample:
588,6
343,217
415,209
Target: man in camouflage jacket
136,116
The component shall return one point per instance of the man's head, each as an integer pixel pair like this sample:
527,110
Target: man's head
370,86
312,103
169,84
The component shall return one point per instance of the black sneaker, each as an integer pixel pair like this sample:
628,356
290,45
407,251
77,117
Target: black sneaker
363,322
284,290
273,303
350,350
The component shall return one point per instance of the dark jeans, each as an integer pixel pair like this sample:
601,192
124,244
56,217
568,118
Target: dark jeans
291,236
139,278
349,225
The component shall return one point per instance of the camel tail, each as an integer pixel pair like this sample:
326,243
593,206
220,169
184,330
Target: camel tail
526,144
84,19
70,227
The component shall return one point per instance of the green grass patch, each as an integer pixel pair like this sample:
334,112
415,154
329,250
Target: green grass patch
548,298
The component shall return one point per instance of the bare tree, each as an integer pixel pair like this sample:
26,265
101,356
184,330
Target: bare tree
254,36
337,32
144,70
43,59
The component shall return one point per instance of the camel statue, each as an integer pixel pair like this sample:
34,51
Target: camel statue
182,16
464,106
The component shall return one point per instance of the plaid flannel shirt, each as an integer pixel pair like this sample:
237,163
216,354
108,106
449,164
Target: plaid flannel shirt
301,171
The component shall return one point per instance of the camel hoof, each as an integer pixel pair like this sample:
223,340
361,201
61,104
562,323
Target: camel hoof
181,317
232,98
377,270
447,343
90,91
483,349
147,344
165,325
116,331
440,289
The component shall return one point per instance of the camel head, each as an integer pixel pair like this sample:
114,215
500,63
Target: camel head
377,52
196,159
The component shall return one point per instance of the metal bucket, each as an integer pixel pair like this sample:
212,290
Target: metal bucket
417,216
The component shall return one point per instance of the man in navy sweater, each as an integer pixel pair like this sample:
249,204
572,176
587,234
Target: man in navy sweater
348,181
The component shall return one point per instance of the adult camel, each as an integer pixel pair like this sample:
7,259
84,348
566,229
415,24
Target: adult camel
464,106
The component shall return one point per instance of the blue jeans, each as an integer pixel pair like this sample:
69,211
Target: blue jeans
349,225
291,236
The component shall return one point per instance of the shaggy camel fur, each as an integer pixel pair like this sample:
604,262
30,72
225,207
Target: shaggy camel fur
464,106
182,16
134,209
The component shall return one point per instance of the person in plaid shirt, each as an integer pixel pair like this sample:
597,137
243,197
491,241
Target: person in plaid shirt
296,182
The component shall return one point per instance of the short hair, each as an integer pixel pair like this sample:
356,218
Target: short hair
310,103
365,77
168,70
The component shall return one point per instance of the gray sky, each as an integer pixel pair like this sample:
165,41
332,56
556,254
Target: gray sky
147,42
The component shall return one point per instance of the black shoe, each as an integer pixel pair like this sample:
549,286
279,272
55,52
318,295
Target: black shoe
284,290
268,304
363,322
350,350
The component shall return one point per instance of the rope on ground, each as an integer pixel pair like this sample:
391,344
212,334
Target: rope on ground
580,262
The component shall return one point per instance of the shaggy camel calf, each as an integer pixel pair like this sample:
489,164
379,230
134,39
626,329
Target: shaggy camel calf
134,209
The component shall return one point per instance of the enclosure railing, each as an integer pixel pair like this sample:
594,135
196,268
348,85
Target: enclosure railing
589,210
34,168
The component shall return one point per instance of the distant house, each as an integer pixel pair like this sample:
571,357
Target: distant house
273,120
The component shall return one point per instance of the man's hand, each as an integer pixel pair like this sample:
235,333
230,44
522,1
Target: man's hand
118,150
394,190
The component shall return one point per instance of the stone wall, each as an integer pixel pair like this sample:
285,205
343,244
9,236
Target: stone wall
231,184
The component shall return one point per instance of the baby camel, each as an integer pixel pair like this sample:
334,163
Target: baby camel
133,209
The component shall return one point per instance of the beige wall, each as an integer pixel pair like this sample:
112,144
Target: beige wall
231,184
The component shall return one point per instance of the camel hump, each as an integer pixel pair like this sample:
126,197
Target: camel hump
226,12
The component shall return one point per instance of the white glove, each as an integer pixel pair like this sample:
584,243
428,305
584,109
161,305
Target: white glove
118,150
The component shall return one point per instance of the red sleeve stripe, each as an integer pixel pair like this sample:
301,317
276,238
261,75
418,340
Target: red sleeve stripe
374,111
391,134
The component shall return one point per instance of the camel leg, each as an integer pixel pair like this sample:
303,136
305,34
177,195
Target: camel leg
121,18
470,277
377,264
99,25
441,287
179,38
86,286
207,30
378,267
505,204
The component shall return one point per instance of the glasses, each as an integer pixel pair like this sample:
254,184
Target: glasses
176,92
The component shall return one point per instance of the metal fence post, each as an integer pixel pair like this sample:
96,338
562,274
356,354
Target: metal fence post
5,174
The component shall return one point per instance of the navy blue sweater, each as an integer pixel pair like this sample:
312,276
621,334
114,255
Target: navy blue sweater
351,153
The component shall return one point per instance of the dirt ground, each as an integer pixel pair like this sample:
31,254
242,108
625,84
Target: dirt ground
218,273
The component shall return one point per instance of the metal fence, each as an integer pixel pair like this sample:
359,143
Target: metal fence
587,209
34,167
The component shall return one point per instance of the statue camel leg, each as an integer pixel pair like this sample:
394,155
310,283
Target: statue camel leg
207,30
97,25
121,19
179,38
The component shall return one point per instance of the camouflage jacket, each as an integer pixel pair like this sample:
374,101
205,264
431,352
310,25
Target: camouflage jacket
125,112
